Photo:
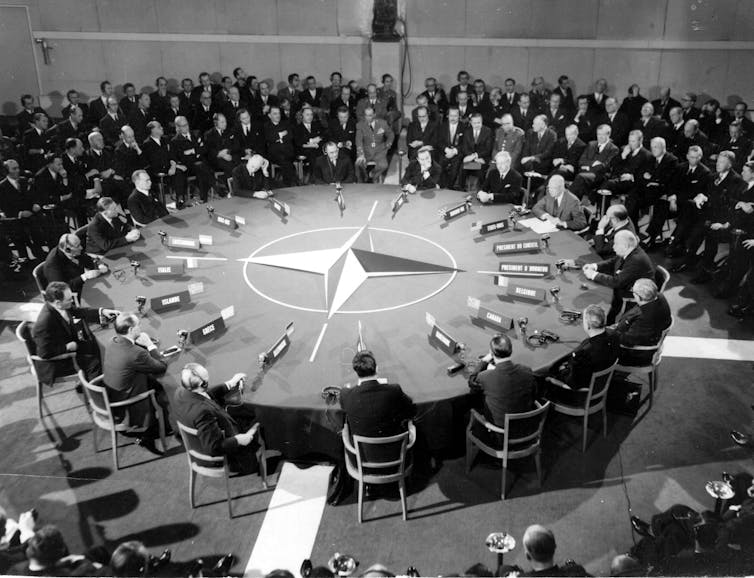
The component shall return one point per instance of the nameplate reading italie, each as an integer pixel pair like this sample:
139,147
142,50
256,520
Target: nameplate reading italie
526,293
184,243
456,211
491,227
522,246
525,269
171,301
225,222
207,331
166,270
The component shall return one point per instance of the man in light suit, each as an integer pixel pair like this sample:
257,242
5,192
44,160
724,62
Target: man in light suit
374,137
203,408
371,99
132,364
560,207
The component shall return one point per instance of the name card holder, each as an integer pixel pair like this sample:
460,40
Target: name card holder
207,331
281,208
184,243
441,337
278,348
491,227
171,301
398,201
525,293
521,246
166,270
525,269
225,222
458,210
489,317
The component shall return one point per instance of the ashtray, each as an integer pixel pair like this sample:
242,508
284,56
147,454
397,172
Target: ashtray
721,490
342,564
500,542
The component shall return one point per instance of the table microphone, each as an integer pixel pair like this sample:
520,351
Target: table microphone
210,210
135,266
522,323
163,236
555,292
182,337
141,302
545,240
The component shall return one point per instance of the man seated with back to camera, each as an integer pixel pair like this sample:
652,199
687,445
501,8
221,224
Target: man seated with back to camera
333,167
615,219
252,178
539,545
143,206
132,365
644,323
223,428
596,353
422,172
62,327
502,183
505,387
560,207
69,263
108,229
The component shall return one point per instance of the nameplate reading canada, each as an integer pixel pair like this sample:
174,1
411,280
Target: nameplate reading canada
171,301
522,246
525,269
495,319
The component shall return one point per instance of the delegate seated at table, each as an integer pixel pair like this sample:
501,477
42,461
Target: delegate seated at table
560,207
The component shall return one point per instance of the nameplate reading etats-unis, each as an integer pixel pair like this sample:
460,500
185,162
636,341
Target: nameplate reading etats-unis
485,228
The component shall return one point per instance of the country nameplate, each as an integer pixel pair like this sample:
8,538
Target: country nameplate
281,208
184,243
445,341
456,211
491,227
225,222
524,269
526,293
398,201
171,301
521,246
497,320
279,347
207,331
166,270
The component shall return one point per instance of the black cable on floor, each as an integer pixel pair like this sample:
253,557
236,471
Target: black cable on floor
625,492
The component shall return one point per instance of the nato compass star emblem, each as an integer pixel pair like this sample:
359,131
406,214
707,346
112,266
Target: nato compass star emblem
345,268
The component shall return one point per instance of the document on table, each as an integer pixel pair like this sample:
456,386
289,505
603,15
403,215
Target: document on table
538,226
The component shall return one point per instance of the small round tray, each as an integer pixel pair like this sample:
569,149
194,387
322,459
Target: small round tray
718,489
500,542
342,564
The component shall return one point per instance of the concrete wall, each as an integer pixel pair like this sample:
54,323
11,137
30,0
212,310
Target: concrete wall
697,45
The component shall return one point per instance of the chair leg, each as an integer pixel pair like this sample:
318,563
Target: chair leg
192,482
161,429
95,436
114,441
262,461
471,453
402,490
538,463
502,485
39,398
227,489
604,421
586,432
361,500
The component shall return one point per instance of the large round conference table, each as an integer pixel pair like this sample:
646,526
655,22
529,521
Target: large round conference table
328,270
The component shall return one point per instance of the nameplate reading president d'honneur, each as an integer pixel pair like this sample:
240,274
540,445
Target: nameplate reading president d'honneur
166,270
522,246
225,222
207,331
525,269
485,228
172,301
526,293
184,243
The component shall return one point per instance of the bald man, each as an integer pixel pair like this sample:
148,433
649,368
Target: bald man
539,545
70,264
252,179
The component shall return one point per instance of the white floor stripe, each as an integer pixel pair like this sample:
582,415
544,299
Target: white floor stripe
197,258
316,345
706,348
291,523
13,311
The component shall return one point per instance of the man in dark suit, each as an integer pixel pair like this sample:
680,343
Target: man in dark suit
159,161
312,95
187,103
222,152
278,135
620,272
523,113
128,156
556,114
663,104
261,106
205,85
476,144
465,107
143,206
188,153
422,132
502,184
204,408
71,127
51,188
436,95
421,173
462,86
130,100
98,107
739,143
63,328
675,137
203,114
160,99
25,221
292,92
111,123
505,387
332,167
233,106
615,219
587,119
25,118
630,169
449,151
566,154
657,183
252,178
379,104
649,124
108,229
688,105
565,92
248,136
539,546
346,99
100,164
132,365
308,137
510,96
644,323
141,116
342,131
596,353
560,207
69,263
538,144
598,97
374,407
175,108
618,122
36,143
595,164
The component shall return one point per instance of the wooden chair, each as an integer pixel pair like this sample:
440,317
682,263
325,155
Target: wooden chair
230,187
526,426
65,364
662,277
102,413
213,466
596,396
39,277
651,369
396,470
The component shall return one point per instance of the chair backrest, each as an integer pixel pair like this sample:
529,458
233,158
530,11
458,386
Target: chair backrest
662,276
81,234
212,466
394,448
658,352
99,401
598,386
39,277
24,334
524,430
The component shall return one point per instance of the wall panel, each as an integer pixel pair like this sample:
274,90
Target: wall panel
130,16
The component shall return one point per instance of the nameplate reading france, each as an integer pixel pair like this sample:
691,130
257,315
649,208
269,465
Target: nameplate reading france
167,302
184,243
225,222
525,269
485,228
207,331
526,293
522,246
171,270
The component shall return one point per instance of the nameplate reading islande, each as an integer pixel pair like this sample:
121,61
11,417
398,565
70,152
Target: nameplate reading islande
225,222
207,331
522,246
166,270
525,269
526,293
184,243
171,301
